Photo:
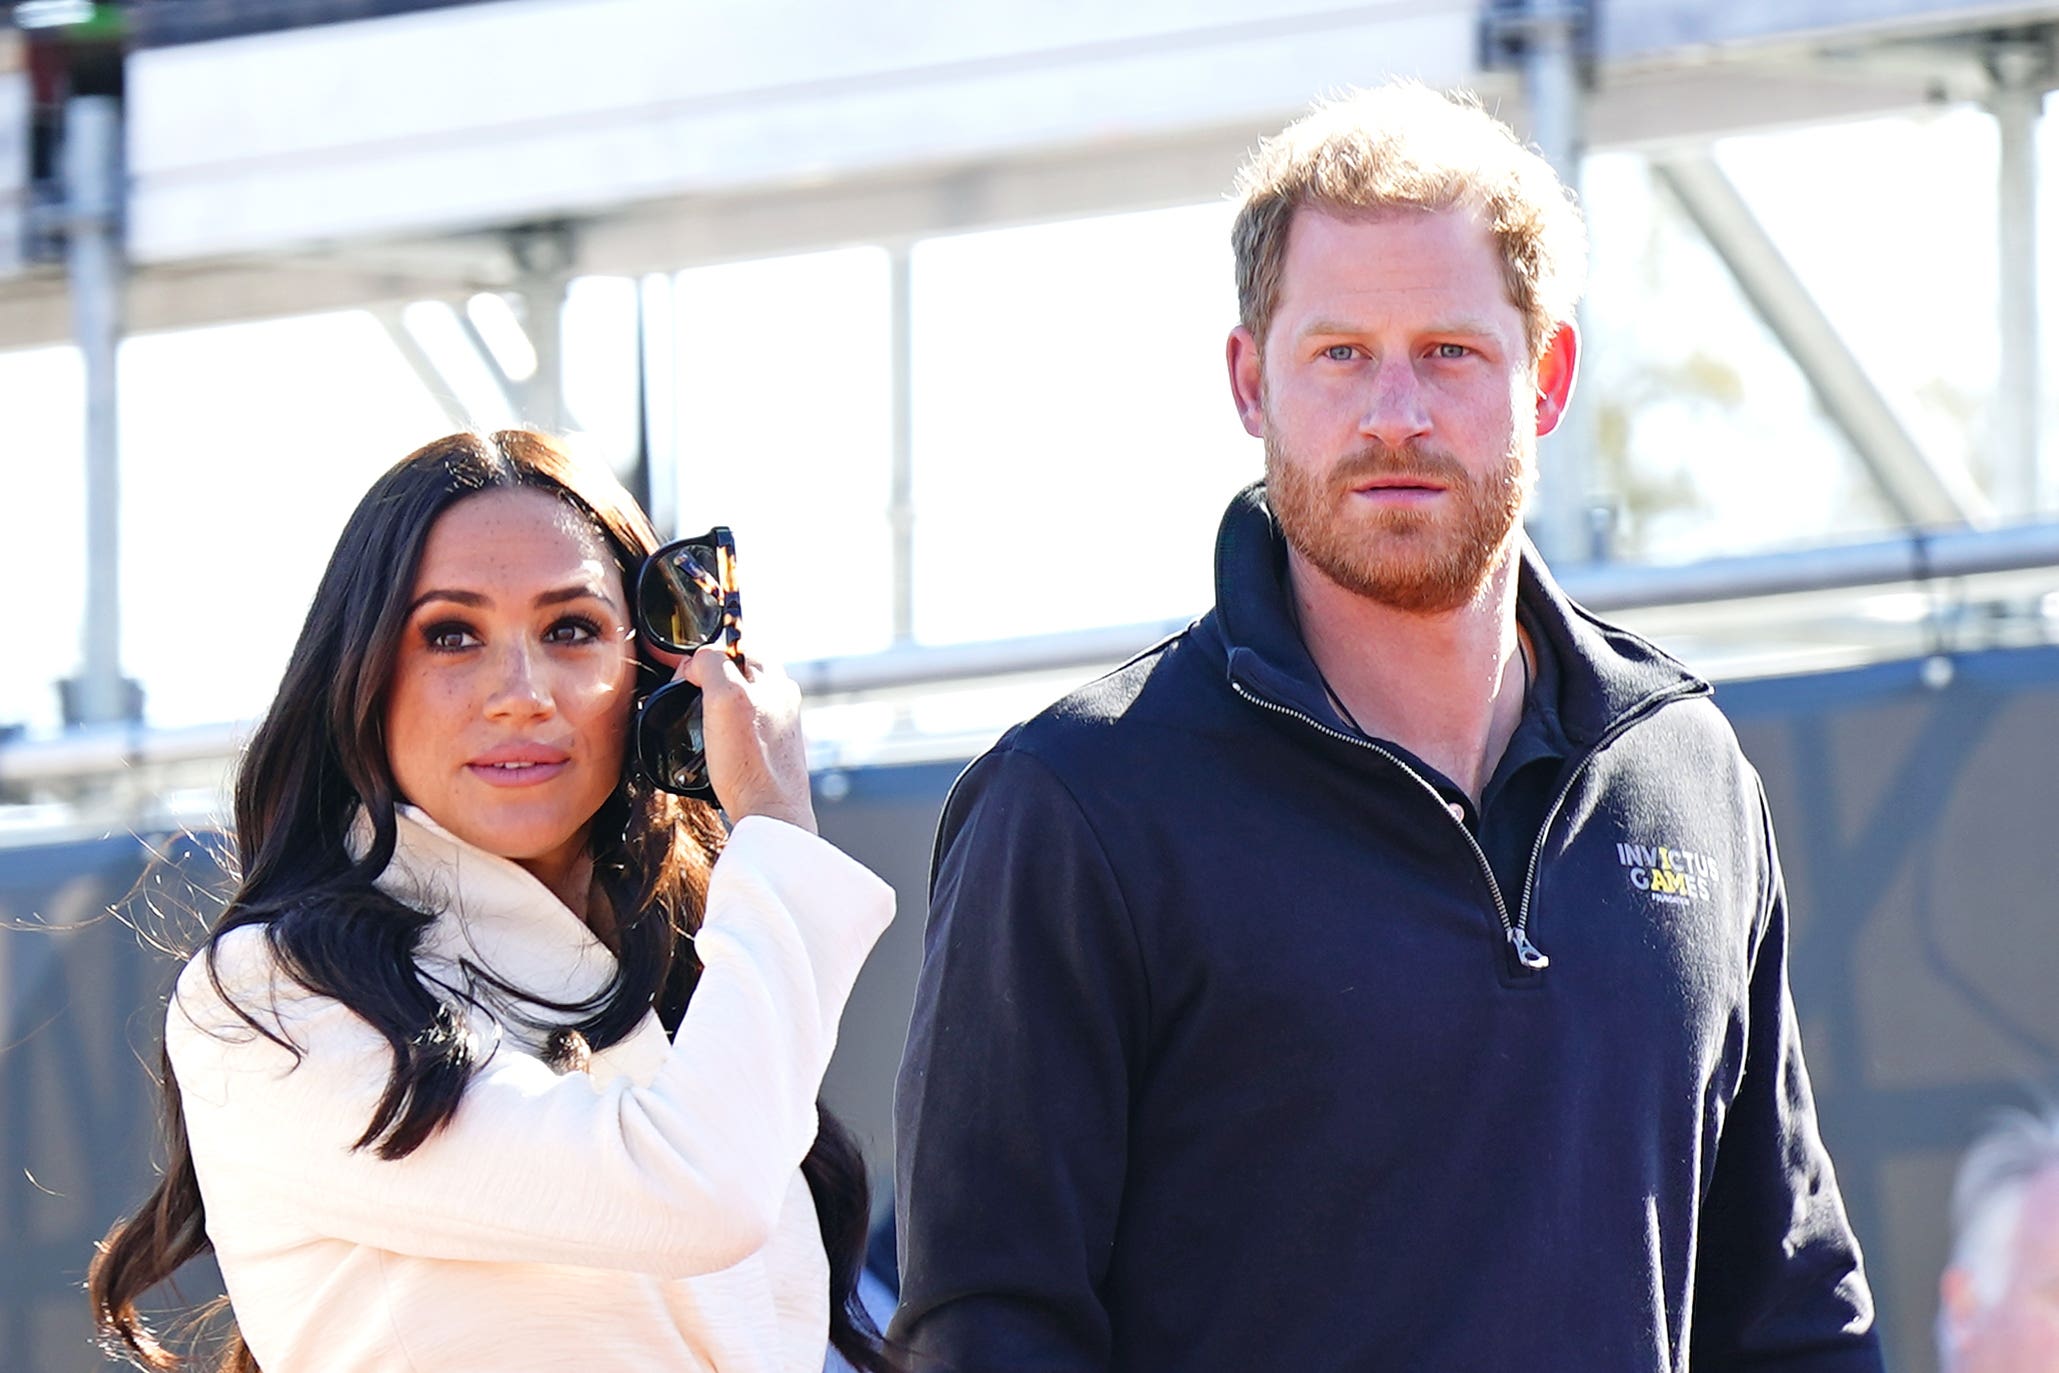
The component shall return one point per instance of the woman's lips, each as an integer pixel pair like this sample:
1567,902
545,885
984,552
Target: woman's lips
518,765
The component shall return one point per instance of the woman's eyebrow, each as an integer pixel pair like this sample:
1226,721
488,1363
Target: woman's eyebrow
578,591
471,598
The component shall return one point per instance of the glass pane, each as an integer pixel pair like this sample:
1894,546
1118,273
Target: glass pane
42,555
1892,222
1075,443
243,450
1707,435
600,366
783,403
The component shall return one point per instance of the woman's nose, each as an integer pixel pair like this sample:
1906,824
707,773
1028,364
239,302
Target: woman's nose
520,688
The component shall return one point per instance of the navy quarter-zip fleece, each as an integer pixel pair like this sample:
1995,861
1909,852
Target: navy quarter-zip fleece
1223,1056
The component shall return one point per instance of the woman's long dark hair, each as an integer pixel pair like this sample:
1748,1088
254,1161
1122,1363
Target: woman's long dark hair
317,761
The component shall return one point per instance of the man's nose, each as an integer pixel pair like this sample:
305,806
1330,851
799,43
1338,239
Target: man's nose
1395,412
520,685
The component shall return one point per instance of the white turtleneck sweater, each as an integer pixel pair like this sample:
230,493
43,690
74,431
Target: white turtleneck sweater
646,1213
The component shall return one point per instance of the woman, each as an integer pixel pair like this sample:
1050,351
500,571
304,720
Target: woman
490,1063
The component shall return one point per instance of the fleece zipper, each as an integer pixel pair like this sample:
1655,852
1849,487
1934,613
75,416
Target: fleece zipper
1515,933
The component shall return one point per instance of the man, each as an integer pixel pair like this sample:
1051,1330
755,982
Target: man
1387,972
1999,1298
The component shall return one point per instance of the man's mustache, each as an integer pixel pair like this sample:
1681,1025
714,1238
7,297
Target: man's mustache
1409,460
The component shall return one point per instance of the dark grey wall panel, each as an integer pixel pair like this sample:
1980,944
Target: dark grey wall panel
1917,832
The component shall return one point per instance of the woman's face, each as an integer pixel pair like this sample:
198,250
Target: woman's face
509,708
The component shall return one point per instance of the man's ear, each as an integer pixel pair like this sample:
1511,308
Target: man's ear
1957,1305
1557,366
1247,380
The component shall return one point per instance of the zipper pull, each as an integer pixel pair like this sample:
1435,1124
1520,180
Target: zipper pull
1527,954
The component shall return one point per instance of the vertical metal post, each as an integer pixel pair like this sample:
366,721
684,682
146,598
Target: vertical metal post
2021,485
1555,93
901,499
543,261
658,318
638,476
543,319
93,188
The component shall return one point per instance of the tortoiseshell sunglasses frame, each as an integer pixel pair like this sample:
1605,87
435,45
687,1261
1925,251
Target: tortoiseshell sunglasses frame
664,752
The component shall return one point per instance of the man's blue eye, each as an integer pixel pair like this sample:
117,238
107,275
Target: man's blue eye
1452,350
1340,352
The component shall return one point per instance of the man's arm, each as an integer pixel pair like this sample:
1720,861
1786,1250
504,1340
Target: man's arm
1778,1279
1011,1114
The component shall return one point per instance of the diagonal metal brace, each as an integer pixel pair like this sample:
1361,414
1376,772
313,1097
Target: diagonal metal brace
1919,490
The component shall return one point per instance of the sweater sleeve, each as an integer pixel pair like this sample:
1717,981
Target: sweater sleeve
1778,1278
683,1176
1012,1109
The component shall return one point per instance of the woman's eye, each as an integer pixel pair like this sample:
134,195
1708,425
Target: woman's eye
573,629
449,637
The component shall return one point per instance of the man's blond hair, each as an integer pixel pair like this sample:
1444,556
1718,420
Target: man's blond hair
1404,146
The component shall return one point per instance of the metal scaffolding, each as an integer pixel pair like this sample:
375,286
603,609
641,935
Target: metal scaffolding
1587,77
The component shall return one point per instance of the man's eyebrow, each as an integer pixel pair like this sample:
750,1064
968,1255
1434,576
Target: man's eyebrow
1471,327
1461,325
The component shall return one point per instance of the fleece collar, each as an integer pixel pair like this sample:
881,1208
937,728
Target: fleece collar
1606,674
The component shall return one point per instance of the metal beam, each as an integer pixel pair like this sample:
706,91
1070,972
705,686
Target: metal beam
1919,560
510,390
1632,109
543,255
424,367
1647,30
2022,73
657,322
1548,38
1920,491
93,180
901,496
35,310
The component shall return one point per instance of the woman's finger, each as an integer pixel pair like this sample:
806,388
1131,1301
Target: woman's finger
757,758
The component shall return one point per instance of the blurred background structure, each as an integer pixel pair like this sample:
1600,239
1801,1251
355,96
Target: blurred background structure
927,301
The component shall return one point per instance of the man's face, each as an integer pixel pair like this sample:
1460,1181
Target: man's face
2019,1331
1398,403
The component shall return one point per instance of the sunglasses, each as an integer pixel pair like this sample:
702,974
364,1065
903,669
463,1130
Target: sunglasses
686,597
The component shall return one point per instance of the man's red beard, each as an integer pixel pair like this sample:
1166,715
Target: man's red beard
1422,561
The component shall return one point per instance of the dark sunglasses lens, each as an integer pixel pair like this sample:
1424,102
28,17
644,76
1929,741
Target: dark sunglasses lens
678,598
672,741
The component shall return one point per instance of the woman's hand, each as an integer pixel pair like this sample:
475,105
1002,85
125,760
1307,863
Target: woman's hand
757,760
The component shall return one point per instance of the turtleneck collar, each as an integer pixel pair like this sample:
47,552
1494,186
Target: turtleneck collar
490,912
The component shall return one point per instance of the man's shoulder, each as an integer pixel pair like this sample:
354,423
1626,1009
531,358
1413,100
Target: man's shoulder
1154,690
1110,740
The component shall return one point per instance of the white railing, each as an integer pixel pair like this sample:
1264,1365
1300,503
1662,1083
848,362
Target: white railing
904,675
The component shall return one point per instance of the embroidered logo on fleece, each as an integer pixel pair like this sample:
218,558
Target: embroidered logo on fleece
1667,873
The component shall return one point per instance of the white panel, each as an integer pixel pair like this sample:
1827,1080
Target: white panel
487,114
1645,28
